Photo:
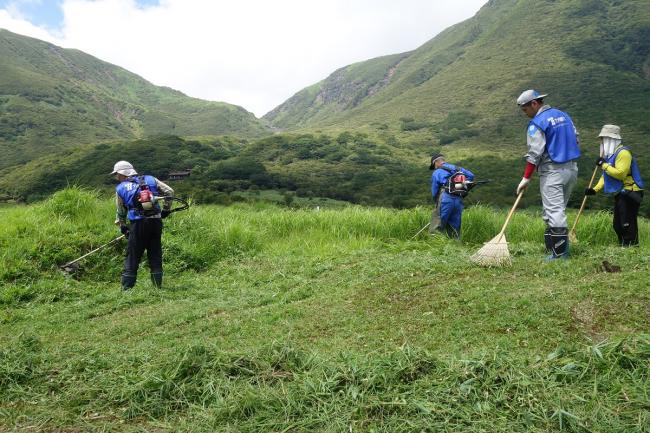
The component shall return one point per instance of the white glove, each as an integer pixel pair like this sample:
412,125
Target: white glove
522,185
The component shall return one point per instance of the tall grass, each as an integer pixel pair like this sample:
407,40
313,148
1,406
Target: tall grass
38,238
481,223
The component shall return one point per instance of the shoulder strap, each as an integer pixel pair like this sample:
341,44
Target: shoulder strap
449,170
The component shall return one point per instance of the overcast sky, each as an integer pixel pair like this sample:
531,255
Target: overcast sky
252,53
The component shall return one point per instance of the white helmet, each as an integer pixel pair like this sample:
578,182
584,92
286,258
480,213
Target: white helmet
529,95
124,168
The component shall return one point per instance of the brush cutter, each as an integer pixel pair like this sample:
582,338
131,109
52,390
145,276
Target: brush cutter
72,266
572,233
495,252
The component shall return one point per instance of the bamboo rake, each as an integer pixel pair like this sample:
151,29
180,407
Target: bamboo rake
495,252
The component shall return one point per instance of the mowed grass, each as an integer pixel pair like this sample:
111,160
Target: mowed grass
281,320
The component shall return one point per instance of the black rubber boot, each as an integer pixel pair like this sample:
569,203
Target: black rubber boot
128,281
560,243
156,279
548,240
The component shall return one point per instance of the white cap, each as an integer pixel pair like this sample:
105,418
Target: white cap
613,131
124,168
529,95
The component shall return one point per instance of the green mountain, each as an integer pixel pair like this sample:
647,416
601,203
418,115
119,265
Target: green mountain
54,99
591,56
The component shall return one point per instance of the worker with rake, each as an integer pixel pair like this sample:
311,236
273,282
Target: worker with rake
137,202
553,150
621,176
449,185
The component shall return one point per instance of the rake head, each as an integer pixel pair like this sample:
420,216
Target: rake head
572,237
493,253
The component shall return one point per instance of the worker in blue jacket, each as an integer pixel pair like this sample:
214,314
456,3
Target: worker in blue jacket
449,185
621,177
553,151
139,216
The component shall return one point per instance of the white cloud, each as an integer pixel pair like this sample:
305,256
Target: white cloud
11,19
253,53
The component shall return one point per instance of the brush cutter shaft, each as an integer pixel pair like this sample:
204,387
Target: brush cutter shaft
421,230
184,203
92,252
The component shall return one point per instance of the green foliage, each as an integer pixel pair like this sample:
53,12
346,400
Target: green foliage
455,127
378,392
410,124
621,37
41,237
365,170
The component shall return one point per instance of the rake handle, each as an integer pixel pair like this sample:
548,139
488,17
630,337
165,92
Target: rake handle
584,201
512,211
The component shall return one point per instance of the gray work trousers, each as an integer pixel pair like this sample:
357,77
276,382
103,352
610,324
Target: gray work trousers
556,181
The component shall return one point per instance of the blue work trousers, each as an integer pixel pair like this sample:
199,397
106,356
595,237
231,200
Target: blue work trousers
447,215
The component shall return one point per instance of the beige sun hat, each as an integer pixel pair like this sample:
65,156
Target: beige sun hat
613,131
124,168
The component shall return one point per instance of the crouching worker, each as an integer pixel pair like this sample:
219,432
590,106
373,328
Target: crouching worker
136,202
621,177
449,185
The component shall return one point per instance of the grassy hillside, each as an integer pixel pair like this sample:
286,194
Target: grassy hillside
53,98
330,321
592,57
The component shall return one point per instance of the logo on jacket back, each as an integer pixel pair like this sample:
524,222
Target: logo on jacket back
557,120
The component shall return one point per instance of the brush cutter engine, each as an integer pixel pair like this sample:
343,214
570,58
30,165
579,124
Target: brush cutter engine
145,202
457,184
146,199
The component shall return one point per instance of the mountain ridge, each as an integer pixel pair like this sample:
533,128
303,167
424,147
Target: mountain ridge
576,50
52,96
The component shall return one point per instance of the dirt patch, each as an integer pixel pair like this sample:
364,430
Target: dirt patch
584,315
